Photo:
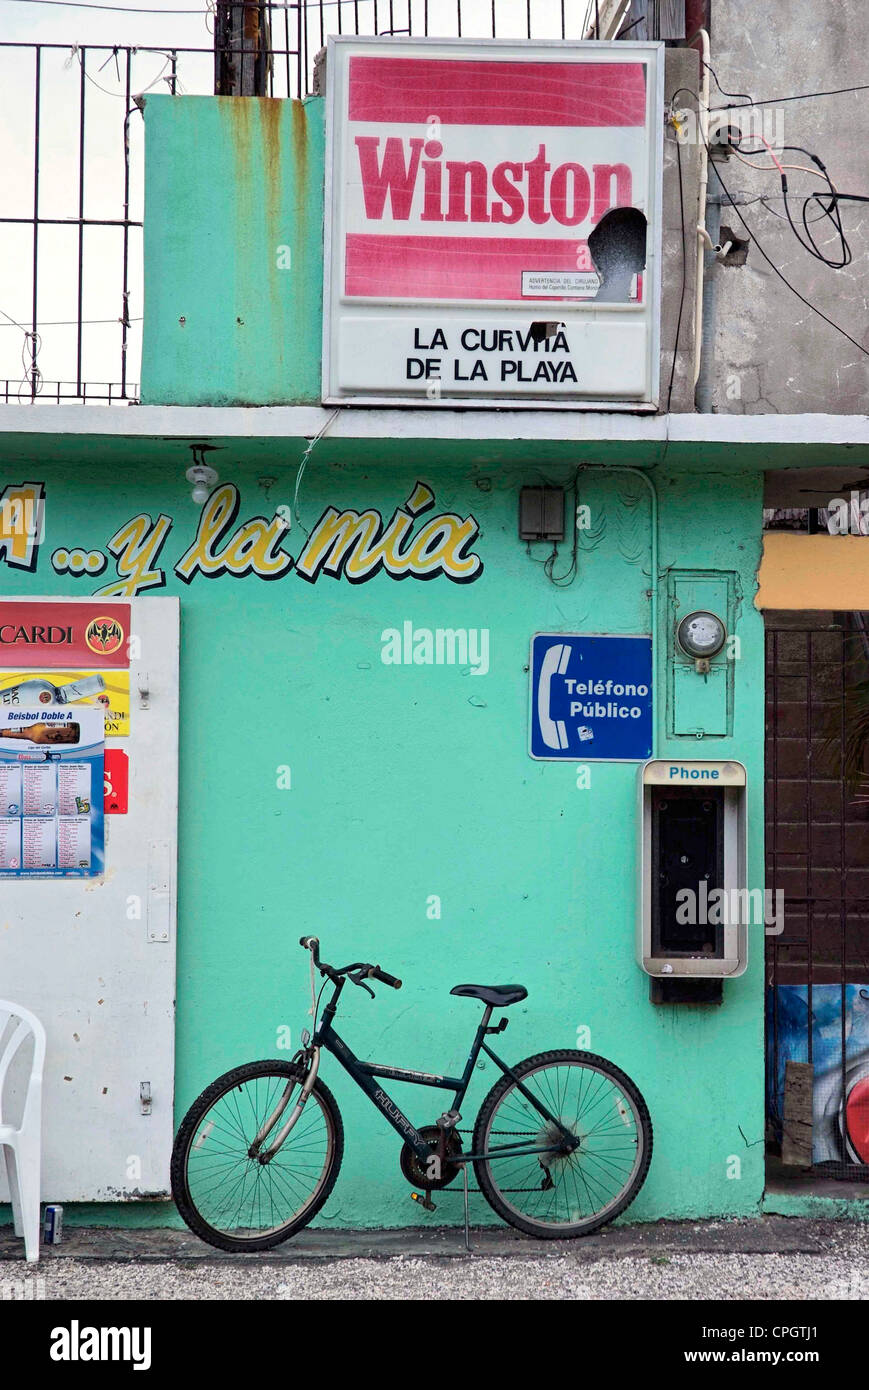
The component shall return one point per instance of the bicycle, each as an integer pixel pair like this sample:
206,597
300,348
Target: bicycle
249,1170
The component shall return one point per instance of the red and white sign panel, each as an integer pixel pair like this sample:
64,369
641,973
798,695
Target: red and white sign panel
494,222
36,633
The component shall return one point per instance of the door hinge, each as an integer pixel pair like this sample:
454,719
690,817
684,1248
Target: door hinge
145,1097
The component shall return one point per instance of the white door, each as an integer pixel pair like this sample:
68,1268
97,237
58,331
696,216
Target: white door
94,958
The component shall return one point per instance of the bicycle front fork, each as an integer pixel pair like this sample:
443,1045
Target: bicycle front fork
266,1155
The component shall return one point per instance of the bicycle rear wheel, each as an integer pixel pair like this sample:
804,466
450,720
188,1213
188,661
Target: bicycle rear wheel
231,1199
558,1195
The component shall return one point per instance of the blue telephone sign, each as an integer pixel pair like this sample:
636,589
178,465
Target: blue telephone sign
591,697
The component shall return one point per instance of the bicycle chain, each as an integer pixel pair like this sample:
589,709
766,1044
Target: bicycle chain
517,1134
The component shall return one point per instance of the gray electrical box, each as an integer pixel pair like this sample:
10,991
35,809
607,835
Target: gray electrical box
694,906
541,514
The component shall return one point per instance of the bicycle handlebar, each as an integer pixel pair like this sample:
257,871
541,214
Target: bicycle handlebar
372,972
375,973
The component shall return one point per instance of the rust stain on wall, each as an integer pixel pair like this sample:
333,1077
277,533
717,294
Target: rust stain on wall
269,165
300,147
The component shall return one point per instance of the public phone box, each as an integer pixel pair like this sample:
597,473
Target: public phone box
692,918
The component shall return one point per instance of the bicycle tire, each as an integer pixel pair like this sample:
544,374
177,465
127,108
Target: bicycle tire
181,1192
487,1177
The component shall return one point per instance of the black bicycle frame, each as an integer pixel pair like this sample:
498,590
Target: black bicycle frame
363,1073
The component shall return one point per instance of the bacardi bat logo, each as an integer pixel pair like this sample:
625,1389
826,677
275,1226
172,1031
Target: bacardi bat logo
104,635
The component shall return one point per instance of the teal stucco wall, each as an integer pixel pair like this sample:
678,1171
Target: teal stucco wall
413,781
232,187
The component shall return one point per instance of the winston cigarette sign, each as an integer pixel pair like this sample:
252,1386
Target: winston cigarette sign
493,223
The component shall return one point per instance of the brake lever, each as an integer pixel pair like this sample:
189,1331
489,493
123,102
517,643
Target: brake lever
358,980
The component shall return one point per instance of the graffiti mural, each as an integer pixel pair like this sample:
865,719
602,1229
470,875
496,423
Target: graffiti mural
840,1104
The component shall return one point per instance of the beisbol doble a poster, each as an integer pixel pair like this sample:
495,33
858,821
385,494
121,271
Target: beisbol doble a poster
51,792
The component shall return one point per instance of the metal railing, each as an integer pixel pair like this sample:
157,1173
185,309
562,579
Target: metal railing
71,224
71,205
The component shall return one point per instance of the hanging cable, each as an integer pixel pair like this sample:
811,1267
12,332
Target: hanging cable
675,125
827,201
771,263
828,212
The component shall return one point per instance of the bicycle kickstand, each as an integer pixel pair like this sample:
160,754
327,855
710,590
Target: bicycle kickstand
467,1233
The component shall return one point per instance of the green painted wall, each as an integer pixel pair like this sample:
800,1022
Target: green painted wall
224,324
412,781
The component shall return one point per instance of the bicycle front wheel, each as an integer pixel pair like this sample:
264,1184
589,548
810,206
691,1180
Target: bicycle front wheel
557,1194
231,1199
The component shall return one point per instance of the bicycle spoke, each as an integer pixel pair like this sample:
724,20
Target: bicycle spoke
562,1188
235,1193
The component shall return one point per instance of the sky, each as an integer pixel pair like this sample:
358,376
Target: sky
30,22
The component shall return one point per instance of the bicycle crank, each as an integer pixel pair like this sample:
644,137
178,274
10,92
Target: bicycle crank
432,1173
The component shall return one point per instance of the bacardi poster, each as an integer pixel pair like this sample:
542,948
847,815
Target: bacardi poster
42,632
494,220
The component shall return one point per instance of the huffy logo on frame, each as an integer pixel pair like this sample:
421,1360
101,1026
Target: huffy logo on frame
348,544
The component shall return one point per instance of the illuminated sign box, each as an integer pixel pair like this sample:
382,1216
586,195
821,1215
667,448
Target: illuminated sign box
493,223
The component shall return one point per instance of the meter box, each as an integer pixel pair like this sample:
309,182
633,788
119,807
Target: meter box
693,900
700,675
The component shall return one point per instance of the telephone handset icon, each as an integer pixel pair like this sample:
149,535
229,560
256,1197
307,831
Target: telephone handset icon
555,662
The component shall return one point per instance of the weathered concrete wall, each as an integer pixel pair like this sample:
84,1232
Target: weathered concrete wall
771,352
411,781
232,185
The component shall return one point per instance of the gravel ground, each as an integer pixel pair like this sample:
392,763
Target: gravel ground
839,1274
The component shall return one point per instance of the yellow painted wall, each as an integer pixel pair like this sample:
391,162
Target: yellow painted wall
824,572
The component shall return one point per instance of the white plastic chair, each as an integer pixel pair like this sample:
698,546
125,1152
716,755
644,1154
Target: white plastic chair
21,1146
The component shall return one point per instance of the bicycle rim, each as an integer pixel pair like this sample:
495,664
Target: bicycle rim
566,1191
236,1195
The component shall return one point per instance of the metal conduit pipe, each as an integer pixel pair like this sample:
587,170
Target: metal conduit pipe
653,580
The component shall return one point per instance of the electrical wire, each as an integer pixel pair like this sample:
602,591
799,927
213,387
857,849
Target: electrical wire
312,443
746,100
14,322
766,198
771,263
684,271
137,9
115,9
803,96
633,24
122,96
771,168
66,323
563,581
828,211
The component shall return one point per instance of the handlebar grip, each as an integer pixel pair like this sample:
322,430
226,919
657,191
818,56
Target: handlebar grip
308,942
375,973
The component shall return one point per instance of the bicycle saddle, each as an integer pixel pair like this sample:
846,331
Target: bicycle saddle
498,995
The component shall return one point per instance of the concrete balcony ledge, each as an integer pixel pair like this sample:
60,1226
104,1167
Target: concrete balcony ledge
729,442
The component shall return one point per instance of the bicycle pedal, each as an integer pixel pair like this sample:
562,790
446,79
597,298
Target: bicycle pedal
425,1201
